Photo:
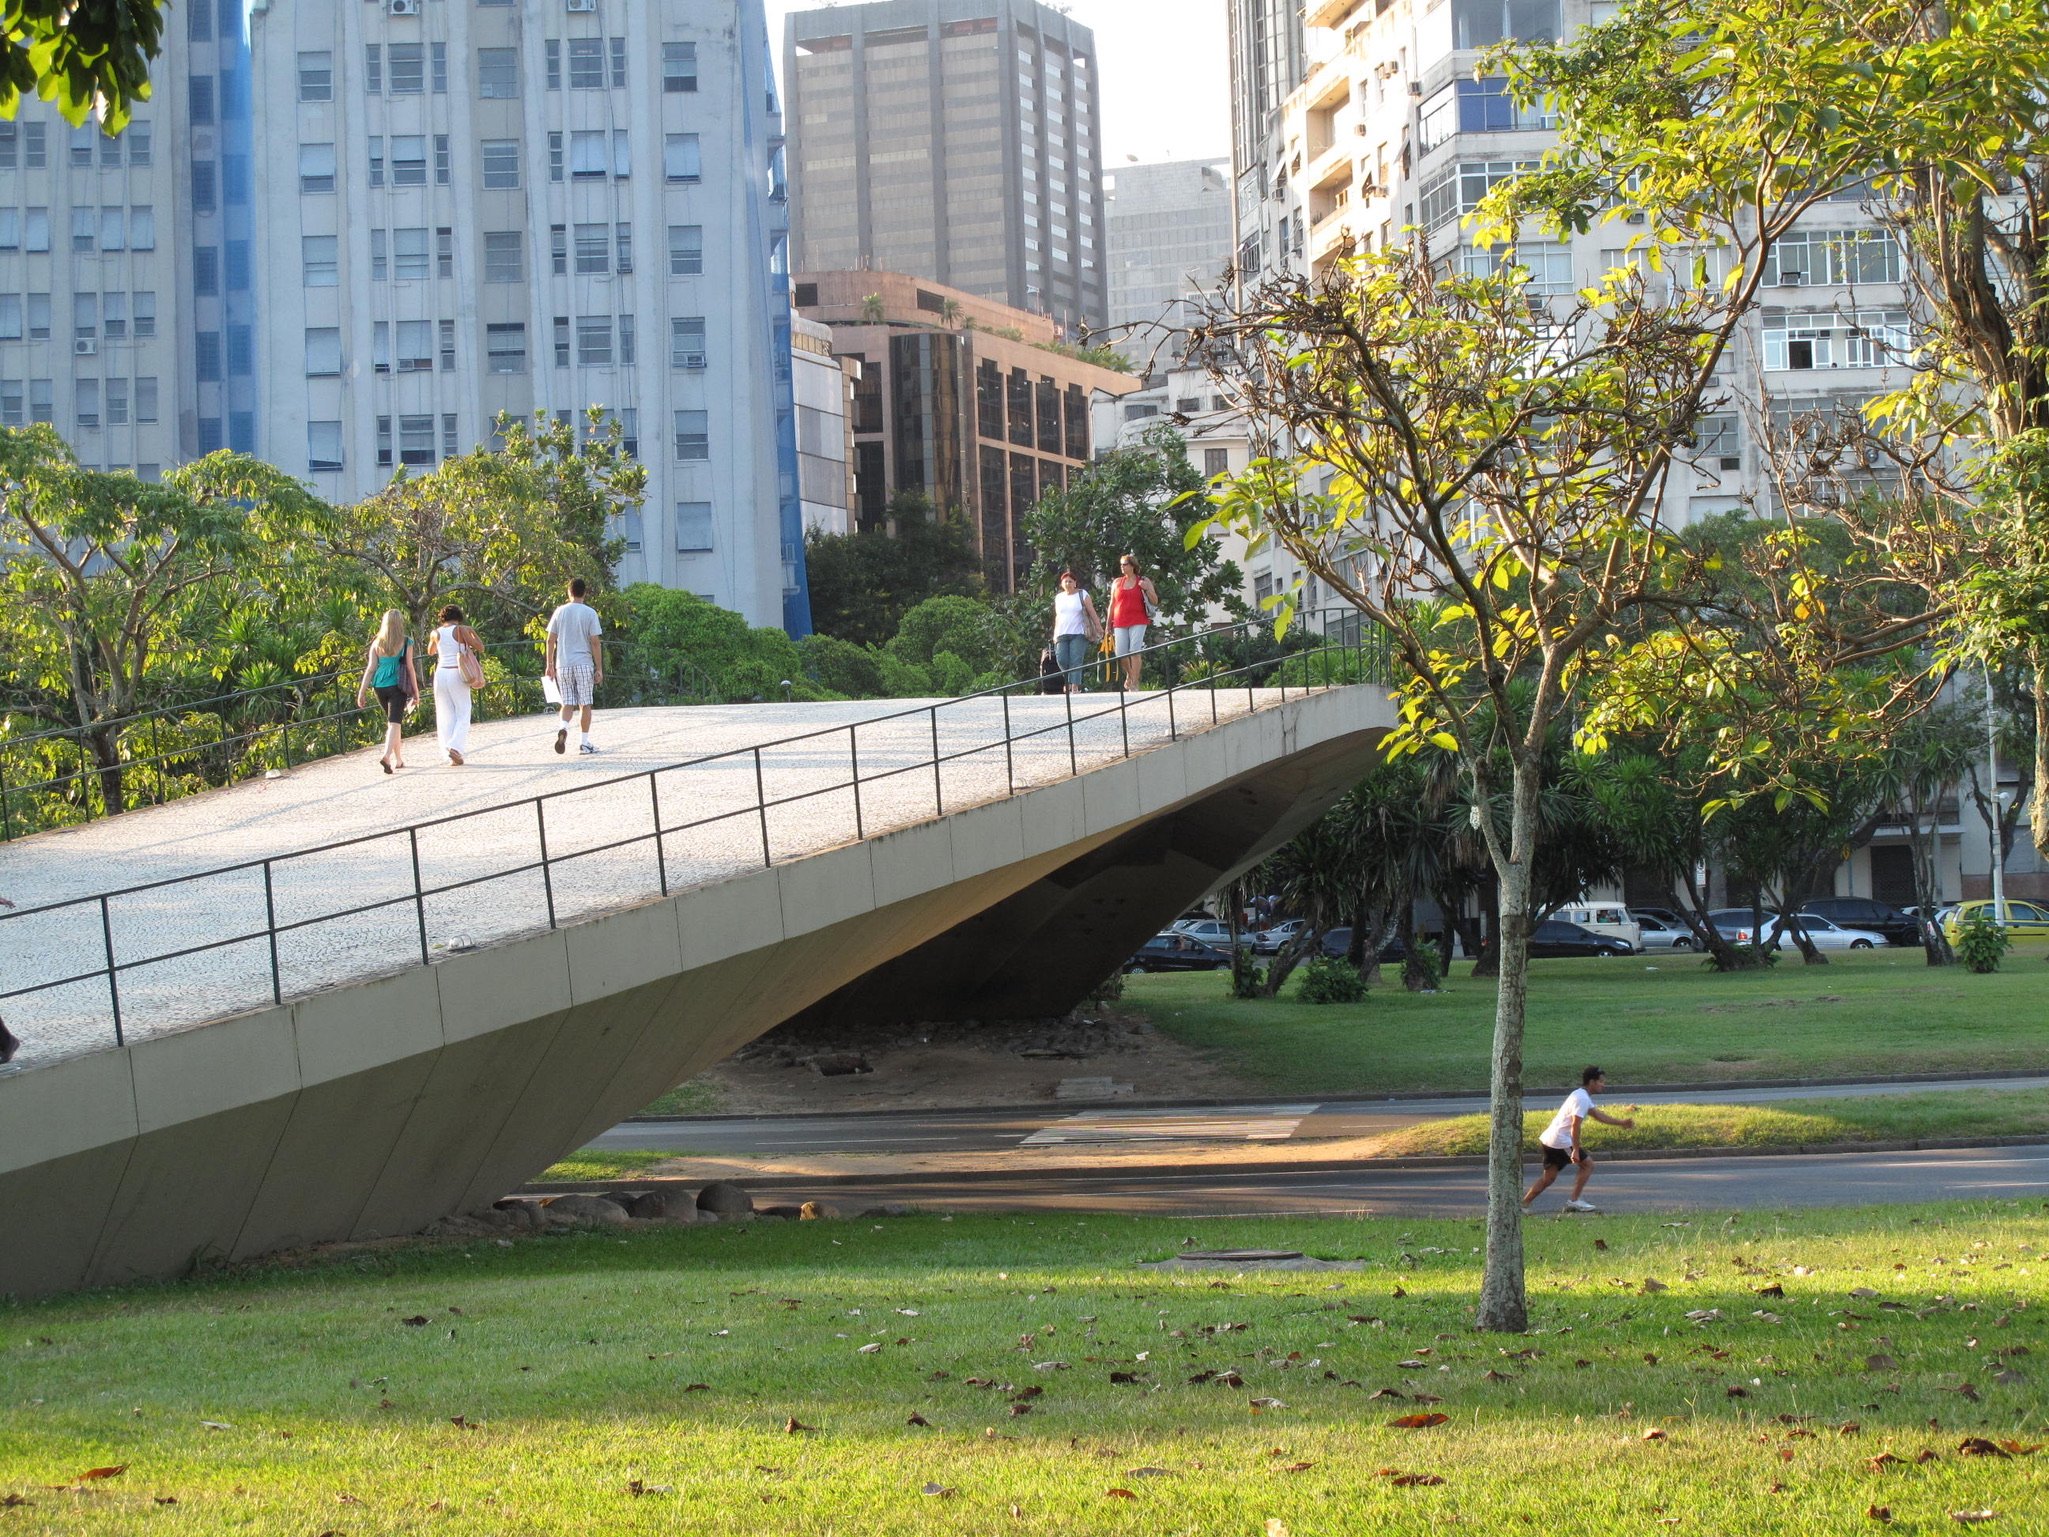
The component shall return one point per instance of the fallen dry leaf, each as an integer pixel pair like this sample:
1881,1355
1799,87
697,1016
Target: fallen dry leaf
1653,1284
113,1472
1878,1512
942,1491
1148,1472
1276,1528
1119,1494
1880,1363
1600,1243
794,1426
1654,1434
165,1499
1972,1517
417,1321
1978,1446
1298,1467
1883,1461
1419,1421
918,1419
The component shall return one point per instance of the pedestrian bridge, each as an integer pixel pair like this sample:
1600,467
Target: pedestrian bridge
336,1004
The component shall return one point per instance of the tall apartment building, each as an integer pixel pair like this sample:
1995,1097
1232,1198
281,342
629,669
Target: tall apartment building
475,207
1268,56
957,140
126,315
1169,231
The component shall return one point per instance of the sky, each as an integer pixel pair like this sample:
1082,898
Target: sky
1165,72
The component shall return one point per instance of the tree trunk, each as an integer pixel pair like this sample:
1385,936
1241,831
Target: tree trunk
1286,959
1504,1305
1488,962
1720,949
104,743
2038,803
1921,843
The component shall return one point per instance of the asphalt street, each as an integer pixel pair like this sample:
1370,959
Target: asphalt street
1301,1120
1646,1185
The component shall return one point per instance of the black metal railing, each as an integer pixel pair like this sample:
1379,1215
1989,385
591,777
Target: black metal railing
1196,674
175,750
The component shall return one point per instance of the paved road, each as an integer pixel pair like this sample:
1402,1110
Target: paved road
1677,1185
962,1131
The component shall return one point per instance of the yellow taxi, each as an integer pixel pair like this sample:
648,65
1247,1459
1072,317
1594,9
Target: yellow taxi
2024,920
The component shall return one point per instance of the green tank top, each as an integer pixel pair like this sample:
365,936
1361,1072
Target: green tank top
386,675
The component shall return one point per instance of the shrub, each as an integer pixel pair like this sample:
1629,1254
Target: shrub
1248,977
1105,992
1329,980
1981,942
841,666
1423,969
1747,956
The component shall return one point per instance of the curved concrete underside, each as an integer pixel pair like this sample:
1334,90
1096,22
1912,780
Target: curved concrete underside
372,1109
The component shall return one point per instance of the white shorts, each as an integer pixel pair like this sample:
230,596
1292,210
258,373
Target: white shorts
1130,638
578,684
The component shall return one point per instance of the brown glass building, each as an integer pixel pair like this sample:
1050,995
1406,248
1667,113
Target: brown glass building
957,139
961,400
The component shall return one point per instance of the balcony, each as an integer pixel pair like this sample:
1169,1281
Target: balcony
1331,13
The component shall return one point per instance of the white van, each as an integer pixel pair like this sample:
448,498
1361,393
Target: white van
1608,918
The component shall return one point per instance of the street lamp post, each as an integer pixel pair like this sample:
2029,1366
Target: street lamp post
1998,848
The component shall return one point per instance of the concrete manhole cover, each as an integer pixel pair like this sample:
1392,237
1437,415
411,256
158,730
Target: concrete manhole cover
1241,1256
1249,1259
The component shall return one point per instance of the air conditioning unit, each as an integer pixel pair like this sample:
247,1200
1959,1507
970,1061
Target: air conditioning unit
1732,461
1792,279
403,7
85,347
583,5
690,360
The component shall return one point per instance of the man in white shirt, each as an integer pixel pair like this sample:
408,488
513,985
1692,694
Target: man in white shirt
1560,1141
576,661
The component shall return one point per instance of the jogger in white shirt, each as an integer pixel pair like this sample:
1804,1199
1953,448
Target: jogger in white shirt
1561,1145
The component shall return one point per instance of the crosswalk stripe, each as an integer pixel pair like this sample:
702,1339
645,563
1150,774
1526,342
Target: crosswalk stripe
1252,1123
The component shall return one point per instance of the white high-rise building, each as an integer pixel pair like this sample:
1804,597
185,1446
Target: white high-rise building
476,207
1169,229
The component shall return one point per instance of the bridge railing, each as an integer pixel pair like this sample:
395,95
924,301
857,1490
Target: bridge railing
272,928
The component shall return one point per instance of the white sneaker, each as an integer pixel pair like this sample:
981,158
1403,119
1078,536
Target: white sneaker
1581,1206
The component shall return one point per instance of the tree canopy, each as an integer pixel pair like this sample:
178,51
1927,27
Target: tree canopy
84,55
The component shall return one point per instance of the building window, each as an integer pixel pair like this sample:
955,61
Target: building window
145,314
316,168
627,357
501,164
320,260
35,229
142,228
686,341
409,254
323,352
586,64
593,248
686,250
203,186
505,348
376,160
115,316
323,447
588,160
199,101
504,256
623,236
679,67
446,332
693,528
1827,339
552,52
498,73
441,160
373,68
415,346
450,440
1216,461
561,341
416,440
558,242
408,70
113,225
438,66
141,145
10,229
316,76
85,225
693,435
594,341
85,402
1834,256
85,316
409,160
10,317
380,262
682,158
42,400
618,45
384,442
444,252
117,402
631,530
146,400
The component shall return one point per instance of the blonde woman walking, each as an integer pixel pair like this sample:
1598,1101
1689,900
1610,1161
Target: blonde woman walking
389,670
458,670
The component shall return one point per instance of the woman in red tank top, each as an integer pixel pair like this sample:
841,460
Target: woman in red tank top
1133,598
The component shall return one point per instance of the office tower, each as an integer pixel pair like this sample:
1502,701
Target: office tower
510,206
1169,240
956,140
959,400
1268,57
125,303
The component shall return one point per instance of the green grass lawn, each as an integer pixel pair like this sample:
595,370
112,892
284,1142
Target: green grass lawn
1014,1374
1780,1124
593,1164
1655,1019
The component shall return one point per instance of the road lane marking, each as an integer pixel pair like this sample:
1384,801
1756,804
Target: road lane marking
1127,1128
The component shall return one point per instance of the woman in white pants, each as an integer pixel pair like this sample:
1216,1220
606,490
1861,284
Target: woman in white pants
449,645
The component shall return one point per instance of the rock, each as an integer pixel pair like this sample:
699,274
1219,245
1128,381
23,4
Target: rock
888,1209
722,1198
837,1064
623,1199
815,1211
461,1227
651,1206
525,1216
779,1213
583,1211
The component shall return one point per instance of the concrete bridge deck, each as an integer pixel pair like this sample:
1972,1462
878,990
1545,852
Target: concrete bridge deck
375,1092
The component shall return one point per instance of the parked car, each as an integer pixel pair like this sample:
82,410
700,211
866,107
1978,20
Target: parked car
1610,918
1661,917
1211,931
1882,918
1172,951
1337,944
1734,922
2024,920
1656,933
1276,939
1555,938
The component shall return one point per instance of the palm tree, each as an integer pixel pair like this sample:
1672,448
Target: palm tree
950,313
873,310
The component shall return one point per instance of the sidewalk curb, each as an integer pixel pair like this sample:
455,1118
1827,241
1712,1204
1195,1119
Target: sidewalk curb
1305,1166
1401,1096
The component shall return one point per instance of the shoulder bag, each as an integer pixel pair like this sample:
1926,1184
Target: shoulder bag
472,667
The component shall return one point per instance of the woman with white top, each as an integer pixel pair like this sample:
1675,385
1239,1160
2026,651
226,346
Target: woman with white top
1076,629
455,644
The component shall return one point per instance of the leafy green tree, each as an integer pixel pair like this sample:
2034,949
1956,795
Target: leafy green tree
1145,501
110,576
863,584
85,55
676,645
841,667
1926,761
966,627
